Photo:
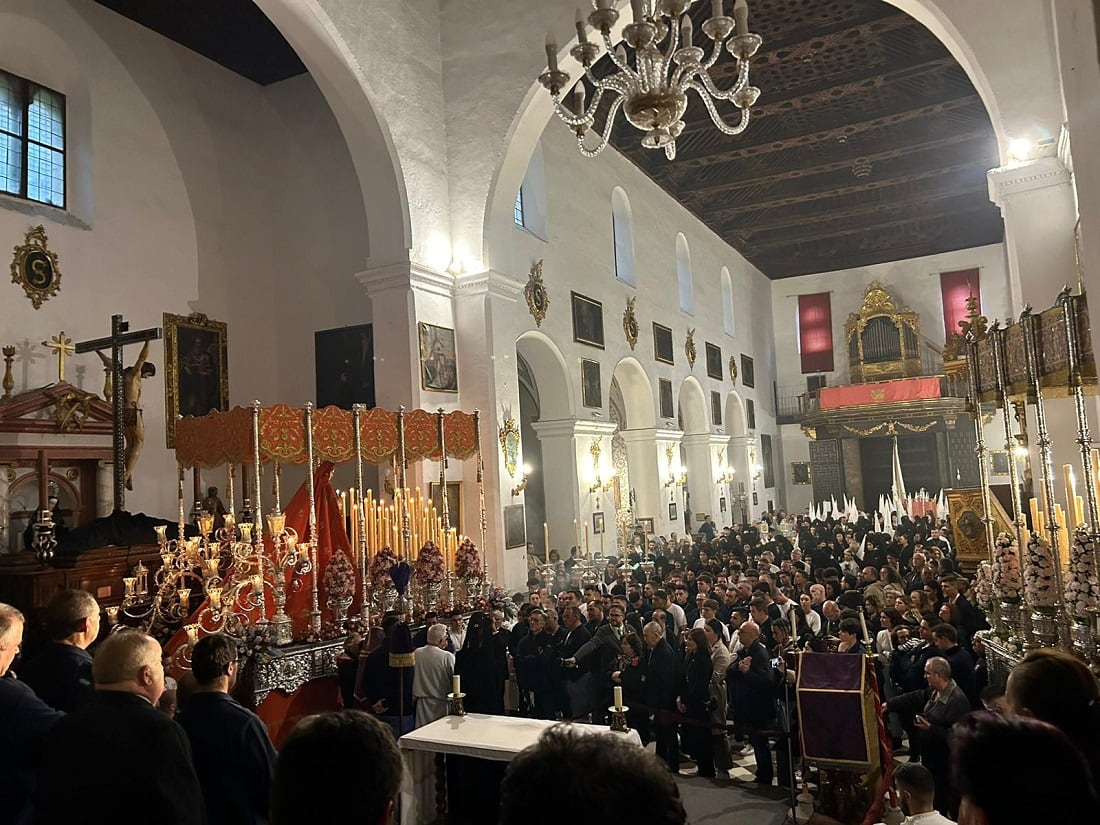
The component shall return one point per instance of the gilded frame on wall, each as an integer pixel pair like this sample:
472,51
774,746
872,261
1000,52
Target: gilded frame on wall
35,267
800,472
196,368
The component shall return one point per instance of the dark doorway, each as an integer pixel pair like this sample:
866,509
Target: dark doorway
920,465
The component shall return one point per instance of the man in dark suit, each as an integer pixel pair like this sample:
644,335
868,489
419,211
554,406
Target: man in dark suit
661,689
61,674
230,748
79,784
575,686
26,719
605,641
753,688
970,620
946,638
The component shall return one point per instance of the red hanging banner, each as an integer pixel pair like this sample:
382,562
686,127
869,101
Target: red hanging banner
815,332
956,287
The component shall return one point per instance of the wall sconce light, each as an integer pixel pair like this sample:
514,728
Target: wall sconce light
725,476
519,488
757,471
604,479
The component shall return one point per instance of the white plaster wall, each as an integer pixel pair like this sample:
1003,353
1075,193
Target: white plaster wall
193,190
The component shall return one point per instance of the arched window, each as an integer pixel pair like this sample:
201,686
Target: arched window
622,227
683,275
727,302
529,211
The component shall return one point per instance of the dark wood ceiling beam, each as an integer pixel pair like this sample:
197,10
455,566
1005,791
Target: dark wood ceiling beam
880,121
785,220
690,193
847,231
864,186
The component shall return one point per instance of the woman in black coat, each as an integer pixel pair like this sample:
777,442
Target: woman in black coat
630,674
476,662
693,702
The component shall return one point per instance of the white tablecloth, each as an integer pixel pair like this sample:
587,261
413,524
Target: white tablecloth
498,738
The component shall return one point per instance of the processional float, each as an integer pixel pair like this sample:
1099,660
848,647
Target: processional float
239,567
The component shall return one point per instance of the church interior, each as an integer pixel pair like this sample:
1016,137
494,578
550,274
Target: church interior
323,313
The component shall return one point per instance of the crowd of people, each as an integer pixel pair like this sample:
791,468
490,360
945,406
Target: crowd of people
700,635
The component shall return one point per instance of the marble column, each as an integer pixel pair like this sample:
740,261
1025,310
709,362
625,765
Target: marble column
645,473
669,468
700,476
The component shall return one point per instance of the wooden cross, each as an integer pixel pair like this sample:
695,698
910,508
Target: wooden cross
119,337
64,348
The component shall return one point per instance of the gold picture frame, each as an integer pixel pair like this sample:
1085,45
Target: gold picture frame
35,267
438,358
509,444
196,368
999,462
800,473
454,502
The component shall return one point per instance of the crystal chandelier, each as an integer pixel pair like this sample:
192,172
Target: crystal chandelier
652,87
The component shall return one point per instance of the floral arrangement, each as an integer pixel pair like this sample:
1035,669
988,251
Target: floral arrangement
1006,571
467,560
429,564
1039,584
254,642
380,565
339,578
983,587
1082,587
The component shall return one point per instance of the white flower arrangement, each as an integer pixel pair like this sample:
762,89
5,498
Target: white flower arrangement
1007,582
1039,586
983,587
1082,586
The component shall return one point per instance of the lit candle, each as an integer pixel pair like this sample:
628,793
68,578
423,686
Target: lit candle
456,684
1034,514
214,593
546,541
586,539
112,616
741,15
581,34
1079,510
576,536
863,626
551,53
129,583
192,634
618,696
257,583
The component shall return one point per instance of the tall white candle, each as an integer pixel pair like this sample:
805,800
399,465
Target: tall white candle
456,684
618,696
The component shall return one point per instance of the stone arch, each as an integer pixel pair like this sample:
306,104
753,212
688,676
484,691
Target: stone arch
693,407
637,392
737,456
1007,108
348,91
550,373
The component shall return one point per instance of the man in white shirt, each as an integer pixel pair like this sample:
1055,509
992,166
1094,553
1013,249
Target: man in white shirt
433,668
916,789
661,601
457,631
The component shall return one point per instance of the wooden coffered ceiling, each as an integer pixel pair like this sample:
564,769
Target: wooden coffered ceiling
847,86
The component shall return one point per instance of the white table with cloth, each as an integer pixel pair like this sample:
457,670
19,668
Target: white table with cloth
497,738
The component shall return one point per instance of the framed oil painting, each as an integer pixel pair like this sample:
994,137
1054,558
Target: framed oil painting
597,524
662,344
766,460
587,320
344,361
748,372
800,472
646,525
714,361
668,409
999,462
196,368
515,526
454,502
716,408
750,414
438,361
591,389
672,511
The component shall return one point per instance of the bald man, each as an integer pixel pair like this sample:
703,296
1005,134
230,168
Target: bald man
120,750
753,689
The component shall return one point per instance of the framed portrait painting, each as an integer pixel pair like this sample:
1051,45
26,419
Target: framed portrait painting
662,344
454,502
766,460
591,389
587,320
438,361
646,525
716,408
672,511
800,472
344,361
714,361
597,524
668,409
999,462
196,368
515,526
748,371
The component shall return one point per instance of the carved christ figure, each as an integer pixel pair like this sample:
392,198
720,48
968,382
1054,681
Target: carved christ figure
133,427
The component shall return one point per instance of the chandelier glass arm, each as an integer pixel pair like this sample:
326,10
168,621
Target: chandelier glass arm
719,122
736,88
605,138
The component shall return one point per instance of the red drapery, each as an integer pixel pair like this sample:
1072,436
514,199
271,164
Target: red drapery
882,392
815,332
955,288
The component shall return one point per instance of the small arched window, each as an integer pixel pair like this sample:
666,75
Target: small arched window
683,275
727,302
622,228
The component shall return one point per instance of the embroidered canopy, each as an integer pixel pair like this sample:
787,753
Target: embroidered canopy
221,438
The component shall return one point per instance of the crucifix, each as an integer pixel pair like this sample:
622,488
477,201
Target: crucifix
128,431
64,348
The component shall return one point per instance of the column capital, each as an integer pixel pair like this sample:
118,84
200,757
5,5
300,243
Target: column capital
673,436
644,435
741,440
696,439
492,283
571,427
1005,182
406,275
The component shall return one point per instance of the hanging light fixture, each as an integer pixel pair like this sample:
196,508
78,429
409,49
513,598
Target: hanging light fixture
653,78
